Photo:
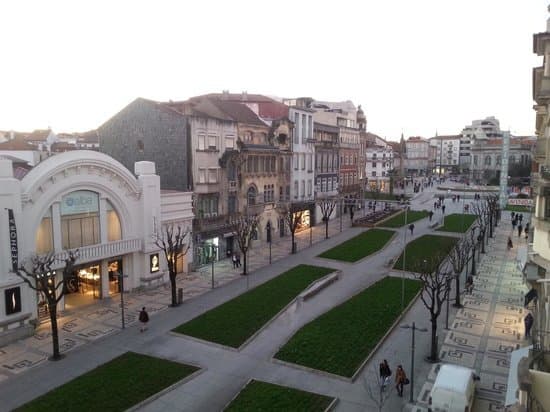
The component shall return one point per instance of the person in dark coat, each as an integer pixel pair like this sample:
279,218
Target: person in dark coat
528,324
443,209
400,379
513,215
520,229
431,214
510,244
521,217
144,319
411,228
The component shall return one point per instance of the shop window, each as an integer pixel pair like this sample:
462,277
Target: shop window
44,234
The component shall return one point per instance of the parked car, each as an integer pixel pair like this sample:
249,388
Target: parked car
453,390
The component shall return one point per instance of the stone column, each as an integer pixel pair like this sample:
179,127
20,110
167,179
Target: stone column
56,227
104,287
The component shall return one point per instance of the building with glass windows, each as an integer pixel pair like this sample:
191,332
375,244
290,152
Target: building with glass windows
88,201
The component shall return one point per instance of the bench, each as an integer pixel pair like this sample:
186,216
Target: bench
154,280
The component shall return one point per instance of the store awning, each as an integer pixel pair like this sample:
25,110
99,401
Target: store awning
512,387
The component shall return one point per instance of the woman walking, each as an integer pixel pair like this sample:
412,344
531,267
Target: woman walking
400,380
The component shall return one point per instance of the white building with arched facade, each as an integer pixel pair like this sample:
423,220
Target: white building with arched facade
83,200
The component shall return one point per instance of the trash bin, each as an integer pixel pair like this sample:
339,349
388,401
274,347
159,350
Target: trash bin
180,296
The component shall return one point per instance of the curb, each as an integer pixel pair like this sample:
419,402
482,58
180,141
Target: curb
167,389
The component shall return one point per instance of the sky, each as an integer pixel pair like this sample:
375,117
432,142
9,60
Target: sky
416,67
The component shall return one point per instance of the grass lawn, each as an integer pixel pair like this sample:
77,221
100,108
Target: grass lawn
339,340
360,246
399,220
425,247
518,208
458,222
262,396
233,322
114,386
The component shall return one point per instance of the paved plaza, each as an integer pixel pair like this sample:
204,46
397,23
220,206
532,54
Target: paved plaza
481,335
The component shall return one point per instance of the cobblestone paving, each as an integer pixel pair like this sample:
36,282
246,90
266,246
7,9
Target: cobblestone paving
488,328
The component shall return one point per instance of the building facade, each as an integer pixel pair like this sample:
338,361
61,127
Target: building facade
445,154
88,201
417,160
379,165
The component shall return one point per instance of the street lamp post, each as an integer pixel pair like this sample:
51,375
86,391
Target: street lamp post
121,284
268,228
213,259
404,258
448,297
414,328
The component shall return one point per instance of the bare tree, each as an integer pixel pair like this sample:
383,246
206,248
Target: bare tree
378,391
173,241
41,277
492,204
481,210
245,227
327,206
458,257
473,233
292,216
435,288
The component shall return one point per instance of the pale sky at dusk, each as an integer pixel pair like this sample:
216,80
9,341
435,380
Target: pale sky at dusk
415,66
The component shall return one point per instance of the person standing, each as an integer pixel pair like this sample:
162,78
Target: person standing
514,223
411,228
528,324
431,214
234,260
143,318
400,379
443,209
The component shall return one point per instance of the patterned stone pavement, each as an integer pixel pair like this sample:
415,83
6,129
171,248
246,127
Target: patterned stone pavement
490,325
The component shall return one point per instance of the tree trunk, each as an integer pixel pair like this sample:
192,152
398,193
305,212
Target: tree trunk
491,225
473,261
52,308
433,350
173,287
293,243
326,228
244,263
483,241
457,291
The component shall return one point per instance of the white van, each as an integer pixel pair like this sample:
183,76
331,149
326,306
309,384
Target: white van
453,390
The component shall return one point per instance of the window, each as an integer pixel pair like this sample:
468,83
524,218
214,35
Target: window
202,175
80,219
310,127
373,164
374,174
251,196
296,161
114,231
304,125
212,142
324,185
309,187
296,127
140,145
309,162
247,136
487,160
475,160
383,174
229,141
303,161
303,191
295,189
212,175
44,234
202,142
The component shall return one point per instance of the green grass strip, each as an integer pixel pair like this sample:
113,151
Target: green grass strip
114,386
262,396
519,208
360,246
458,222
425,248
399,220
233,322
340,340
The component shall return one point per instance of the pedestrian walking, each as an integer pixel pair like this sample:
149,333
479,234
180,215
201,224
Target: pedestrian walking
385,373
400,380
431,214
513,215
435,205
411,228
143,318
234,260
238,256
514,223
528,324
520,229
510,244
526,230
443,209
458,198
521,217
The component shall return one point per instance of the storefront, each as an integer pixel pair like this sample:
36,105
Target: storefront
85,201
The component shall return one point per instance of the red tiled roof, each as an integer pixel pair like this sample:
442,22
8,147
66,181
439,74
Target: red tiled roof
238,112
18,143
272,110
38,135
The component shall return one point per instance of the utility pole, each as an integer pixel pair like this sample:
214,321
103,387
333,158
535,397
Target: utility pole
404,259
414,328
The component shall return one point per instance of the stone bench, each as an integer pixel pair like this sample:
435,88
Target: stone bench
153,280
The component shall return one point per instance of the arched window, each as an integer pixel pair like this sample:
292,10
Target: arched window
512,159
499,160
251,196
80,219
114,231
487,160
44,234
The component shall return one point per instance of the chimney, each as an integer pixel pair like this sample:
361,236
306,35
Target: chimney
225,94
245,96
12,135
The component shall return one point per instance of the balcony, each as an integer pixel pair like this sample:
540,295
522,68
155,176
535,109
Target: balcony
541,86
100,251
541,148
212,223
